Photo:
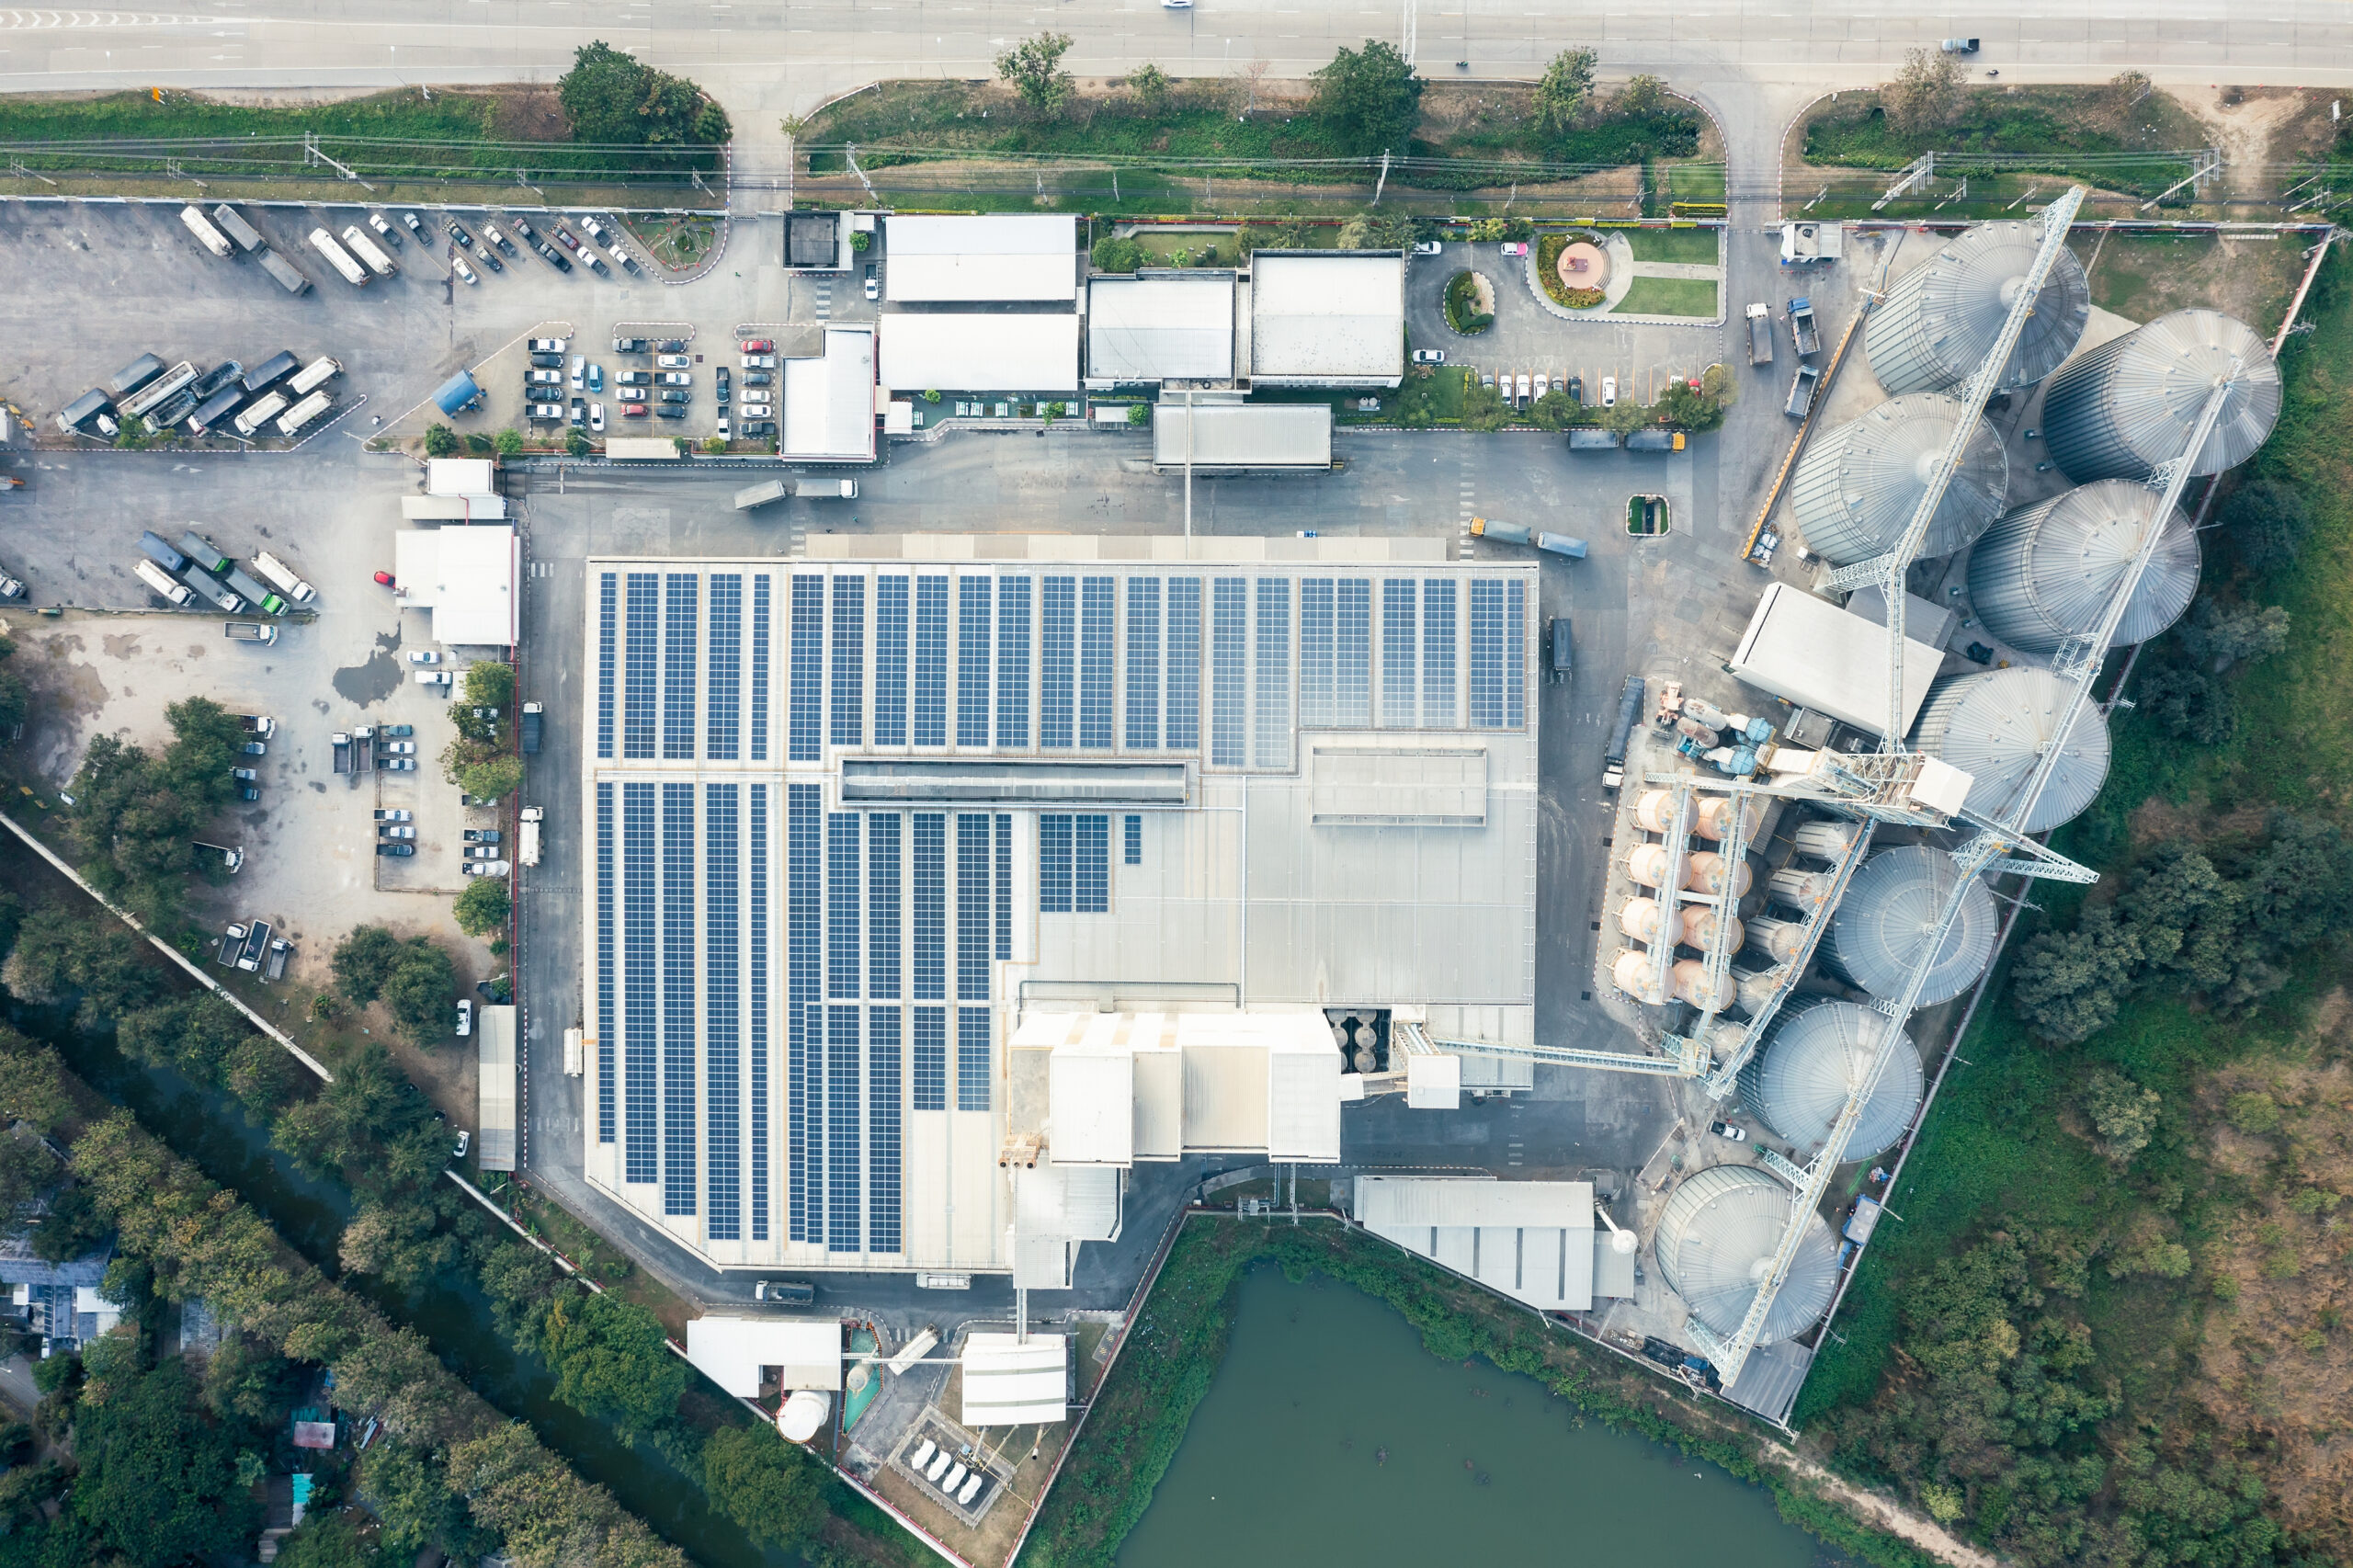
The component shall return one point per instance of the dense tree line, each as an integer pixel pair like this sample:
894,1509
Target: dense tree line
135,817
613,98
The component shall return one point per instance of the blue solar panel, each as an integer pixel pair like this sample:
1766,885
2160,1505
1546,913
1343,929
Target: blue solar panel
608,631
971,660
756,891
1317,703
1352,653
1271,735
1487,653
722,1020
1144,664
1053,862
973,1059
1095,658
637,679
842,1140
1004,887
849,662
678,667
1132,842
882,1129
1397,642
760,668
724,676
678,998
640,947
804,885
971,907
1439,669
891,660
1184,664
1057,647
1013,663
931,662
1515,654
927,901
928,1064
605,977
882,907
1229,672
843,904
808,687
1091,870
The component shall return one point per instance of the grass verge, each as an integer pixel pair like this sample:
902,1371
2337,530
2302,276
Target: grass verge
1669,297
1694,247
2105,136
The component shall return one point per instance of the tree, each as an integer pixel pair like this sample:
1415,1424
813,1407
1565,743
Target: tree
327,1538
411,1499
612,1360
1139,413
509,442
2068,985
440,441
2123,1112
1925,95
1641,98
1565,88
1034,67
417,992
16,698
610,97
1150,83
1370,100
1625,416
1377,230
363,962
576,442
1116,254
2188,704
768,1486
72,1226
2270,521
493,779
1482,407
2243,634
157,1483
484,908
490,684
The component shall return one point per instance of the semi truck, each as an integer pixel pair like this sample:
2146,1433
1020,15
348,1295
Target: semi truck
1760,333
208,587
531,728
157,392
1629,713
1801,328
253,592
304,413
232,223
371,254
314,375
340,258
781,489
1586,440
278,268
1517,533
207,235
172,593
260,414
282,575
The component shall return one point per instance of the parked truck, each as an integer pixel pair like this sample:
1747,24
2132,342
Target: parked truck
1518,533
153,546
277,266
216,410
1589,441
157,392
341,741
1801,327
342,260
208,587
272,371
810,489
1812,245
1760,333
1652,438
232,223
1629,713
356,240
304,413
296,590
531,728
247,631
207,235
202,551
314,375
529,850
153,577
254,594
259,415
1802,387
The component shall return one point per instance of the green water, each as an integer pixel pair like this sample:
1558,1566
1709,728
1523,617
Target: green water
1282,1464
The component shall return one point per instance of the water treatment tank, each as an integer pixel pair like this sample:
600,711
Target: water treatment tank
1715,1243
1776,940
1710,872
804,1412
2046,573
2122,408
1940,320
1827,840
1858,483
1992,726
1715,817
1655,811
1880,928
1798,1084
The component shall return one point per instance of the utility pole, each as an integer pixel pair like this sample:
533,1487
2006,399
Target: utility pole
1412,28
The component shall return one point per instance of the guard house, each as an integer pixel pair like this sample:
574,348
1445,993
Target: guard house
934,881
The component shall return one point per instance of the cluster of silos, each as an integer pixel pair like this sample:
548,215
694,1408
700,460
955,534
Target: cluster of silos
1358,1039
1659,915
1859,483
1939,321
2122,409
1882,929
1794,896
1716,1237
1817,1054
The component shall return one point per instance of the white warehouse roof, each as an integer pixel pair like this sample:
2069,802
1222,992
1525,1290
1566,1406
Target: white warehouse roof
1025,351
1327,318
1012,1382
993,256
1533,1241
732,1351
1160,326
1810,652
1242,434
829,402
465,576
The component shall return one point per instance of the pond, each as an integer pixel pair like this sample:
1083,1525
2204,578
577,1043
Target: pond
1331,1437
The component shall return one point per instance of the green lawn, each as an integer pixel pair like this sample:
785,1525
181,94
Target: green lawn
1669,297
1692,246
2087,133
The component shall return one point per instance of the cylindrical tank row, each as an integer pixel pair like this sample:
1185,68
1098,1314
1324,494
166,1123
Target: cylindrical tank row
1780,940
1635,976
2046,573
1802,889
1716,1237
1799,1083
1858,483
1694,923
1940,320
1709,874
1689,981
1646,864
1716,818
1882,927
1655,811
2123,408
1994,727
1827,840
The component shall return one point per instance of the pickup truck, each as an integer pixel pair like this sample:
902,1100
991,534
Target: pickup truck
1802,387
1760,333
1801,328
246,631
258,724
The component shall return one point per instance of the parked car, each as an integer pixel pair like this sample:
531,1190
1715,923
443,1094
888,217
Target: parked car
531,236
633,411
722,431
394,830
400,730
543,377
669,410
376,220
482,836
630,345
384,579
554,257
873,284
1428,247
465,1027
759,361
1576,391
248,792
547,346
481,852
501,241
1543,384
759,345
671,346
423,655
1727,1131
1429,356
672,394
465,1137
485,868
488,258
400,749
673,361
579,412
395,764
256,748
547,413
1609,391
1514,247
674,379
457,265
402,851
415,224
434,677
244,775
596,377
394,813
457,232
597,417
546,361
758,428
634,379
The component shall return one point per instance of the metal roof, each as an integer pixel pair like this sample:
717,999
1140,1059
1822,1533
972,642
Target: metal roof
465,576
1880,928
2121,409
1817,655
1993,726
1858,483
1011,351
2046,573
1160,326
1718,1231
1327,318
1246,436
990,256
494,1089
1939,320
731,1351
1533,1241
1013,1381
828,402
1397,786
1091,1115
1798,1084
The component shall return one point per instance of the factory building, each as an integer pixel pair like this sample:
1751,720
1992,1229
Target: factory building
933,887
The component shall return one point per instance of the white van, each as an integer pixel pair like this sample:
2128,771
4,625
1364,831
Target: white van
208,237
155,577
314,375
260,414
302,413
282,578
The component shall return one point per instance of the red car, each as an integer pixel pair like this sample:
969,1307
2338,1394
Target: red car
633,411
384,579
758,346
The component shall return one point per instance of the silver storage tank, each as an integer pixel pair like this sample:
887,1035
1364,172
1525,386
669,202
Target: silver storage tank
1797,1086
1858,483
2121,409
1993,725
1880,928
2046,573
1940,320
1715,1242
1827,840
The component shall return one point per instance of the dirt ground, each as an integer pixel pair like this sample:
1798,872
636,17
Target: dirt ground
2143,276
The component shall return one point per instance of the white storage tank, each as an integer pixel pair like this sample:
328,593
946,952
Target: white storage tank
1635,975
1992,726
803,1414
1655,811
1715,1243
1689,981
1859,483
1780,940
2121,409
1940,320
2047,572
1882,927
1798,1084
1710,872
1716,818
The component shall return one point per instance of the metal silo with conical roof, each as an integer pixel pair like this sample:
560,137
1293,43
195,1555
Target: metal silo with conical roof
2121,409
1857,484
1940,320
1797,1086
1993,726
2046,573
1715,1243
1882,927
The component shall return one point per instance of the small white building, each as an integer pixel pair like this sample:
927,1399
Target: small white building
1241,436
465,578
987,351
995,257
1327,318
1012,1381
1533,1241
828,400
1809,652
494,1089
1160,326
733,1352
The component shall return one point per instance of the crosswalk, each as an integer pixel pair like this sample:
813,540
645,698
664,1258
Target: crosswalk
1464,544
824,298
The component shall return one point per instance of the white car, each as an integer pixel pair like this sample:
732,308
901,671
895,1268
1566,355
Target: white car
485,868
1609,391
1525,392
759,361
1429,356
465,1021
394,830
547,345
673,362
1428,247
756,397
579,372
1543,384
457,265
724,433
597,417
423,656
433,678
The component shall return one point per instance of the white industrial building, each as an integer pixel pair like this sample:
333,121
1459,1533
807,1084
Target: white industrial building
992,257
465,578
1533,1241
1177,325
1235,437
1009,351
1813,655
828,399
1327,318
932,887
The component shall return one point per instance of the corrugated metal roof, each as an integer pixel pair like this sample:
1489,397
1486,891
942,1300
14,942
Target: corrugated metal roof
1994,727
996,255
1398,786
1530,1241
1303,1105
1327,317
1799,1084
2047,572
1819,656
1091,1105
1160,1105
1012,351
1161,326
828,402
731,1351
494,1089
1225,1097
1243,434
1009,1382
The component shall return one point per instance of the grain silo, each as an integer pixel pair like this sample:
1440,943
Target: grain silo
1882,927
1994,725
1827,840
2132,403
1858,483
2046,573
1779,940
1798,1084
1940,320
1715,1243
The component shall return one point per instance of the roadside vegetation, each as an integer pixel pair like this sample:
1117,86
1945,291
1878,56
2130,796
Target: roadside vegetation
2113,1326
136,817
